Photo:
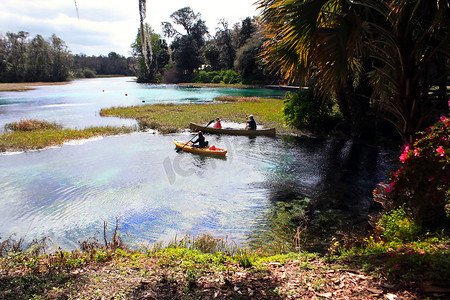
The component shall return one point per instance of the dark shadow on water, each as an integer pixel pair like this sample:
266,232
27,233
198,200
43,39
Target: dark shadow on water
325,187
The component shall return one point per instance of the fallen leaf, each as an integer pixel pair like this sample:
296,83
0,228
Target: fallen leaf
375,290
326,295
391,296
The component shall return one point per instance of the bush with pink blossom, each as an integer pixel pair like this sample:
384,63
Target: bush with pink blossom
421,185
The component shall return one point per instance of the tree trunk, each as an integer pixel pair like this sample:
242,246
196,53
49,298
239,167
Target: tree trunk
145,39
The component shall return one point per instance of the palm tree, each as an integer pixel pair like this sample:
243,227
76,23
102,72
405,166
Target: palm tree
145,38
401,45
411,50
317,39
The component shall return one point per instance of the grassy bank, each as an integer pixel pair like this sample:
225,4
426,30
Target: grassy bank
204,268
25,86
175,118
34,135
218,85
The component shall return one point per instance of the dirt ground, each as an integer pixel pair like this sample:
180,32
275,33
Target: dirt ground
291,280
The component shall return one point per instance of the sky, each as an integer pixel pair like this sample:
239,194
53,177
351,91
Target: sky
103,26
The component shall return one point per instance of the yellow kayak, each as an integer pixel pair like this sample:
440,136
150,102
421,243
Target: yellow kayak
208,151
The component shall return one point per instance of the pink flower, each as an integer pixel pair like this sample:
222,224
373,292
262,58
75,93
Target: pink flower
416,152
443,118
404,155
395,266
440,150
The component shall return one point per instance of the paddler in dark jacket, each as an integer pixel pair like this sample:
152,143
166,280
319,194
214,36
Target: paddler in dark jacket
251,124
201,141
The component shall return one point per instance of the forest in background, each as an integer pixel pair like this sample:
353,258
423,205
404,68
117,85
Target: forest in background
50,60
190,55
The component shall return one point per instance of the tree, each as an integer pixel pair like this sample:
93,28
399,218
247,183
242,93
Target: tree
314,39
398,45
212,54
160,53
3,59
411,52
187,48
39,65
145,42
16,48
247,61
62,59
224,42
246,31
186,53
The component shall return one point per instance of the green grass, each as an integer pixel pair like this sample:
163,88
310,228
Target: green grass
43,138
171,118
204,267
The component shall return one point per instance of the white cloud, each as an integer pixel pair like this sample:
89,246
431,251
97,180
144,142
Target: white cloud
107,25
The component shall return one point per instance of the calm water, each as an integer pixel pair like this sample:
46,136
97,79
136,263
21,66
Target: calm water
66,193
78,104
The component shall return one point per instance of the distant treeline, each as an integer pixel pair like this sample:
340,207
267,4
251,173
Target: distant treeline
38,59
24,60
113,64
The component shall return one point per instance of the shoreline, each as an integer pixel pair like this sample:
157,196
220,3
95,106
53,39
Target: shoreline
27,86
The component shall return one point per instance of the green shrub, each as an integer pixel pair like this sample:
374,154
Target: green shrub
231,77
397,226
89,73
304,110
224,76
216,79
203,77
244,260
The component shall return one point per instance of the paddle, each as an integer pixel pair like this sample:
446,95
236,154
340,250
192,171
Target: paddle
209,123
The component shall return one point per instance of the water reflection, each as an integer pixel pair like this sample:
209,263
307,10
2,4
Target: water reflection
157,193
324,185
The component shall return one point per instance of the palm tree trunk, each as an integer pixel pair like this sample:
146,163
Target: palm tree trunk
145,39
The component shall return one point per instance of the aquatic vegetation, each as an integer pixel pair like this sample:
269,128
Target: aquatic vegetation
34,135
175,118
32,125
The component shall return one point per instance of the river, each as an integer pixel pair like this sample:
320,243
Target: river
66,193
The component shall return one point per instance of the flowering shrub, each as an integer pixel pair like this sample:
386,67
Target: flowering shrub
421,185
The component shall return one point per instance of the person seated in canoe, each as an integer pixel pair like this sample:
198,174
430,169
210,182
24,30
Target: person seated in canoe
217,124
251,124
200,140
